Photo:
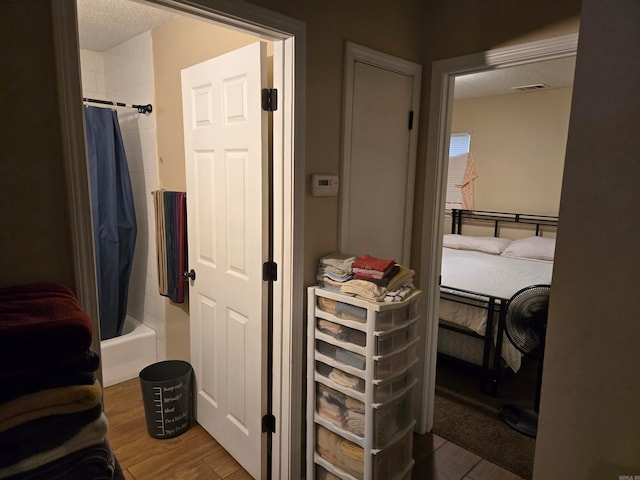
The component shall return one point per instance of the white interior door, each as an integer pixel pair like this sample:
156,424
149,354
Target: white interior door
380,141
227,212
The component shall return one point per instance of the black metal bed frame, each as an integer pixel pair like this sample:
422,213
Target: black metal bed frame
496,307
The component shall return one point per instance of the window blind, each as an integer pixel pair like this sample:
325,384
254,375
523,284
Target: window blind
458,148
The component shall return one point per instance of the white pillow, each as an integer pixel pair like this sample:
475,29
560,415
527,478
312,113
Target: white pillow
481,244
538,248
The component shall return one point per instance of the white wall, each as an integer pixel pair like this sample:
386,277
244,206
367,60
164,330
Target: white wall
518,143
125,74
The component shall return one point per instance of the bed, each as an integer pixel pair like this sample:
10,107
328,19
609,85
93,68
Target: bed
488,257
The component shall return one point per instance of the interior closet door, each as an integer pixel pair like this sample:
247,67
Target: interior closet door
380,138
227,211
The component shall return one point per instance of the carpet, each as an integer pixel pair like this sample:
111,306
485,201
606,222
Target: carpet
469,418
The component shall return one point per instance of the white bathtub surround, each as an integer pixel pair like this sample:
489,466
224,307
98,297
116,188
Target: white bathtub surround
125,74
123,357
129,78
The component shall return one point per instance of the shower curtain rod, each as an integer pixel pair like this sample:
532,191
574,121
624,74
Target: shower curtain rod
146,109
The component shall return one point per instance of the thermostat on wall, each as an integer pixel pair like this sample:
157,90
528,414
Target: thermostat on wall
324,185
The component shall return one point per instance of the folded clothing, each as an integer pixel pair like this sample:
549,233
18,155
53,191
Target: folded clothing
90,435
402,277
334,274
79,371
41,323
367,262
327,305
381,281
45,433
346,380
341,261
344,454
96,462
351,312
54,401
354,420
322,474
340,332
400,294
350,358
364,289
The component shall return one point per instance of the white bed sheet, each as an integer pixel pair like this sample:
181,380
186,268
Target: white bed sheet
490,275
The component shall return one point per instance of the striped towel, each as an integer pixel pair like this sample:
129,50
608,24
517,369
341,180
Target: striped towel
171,239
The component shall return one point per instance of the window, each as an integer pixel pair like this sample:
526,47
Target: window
459,144
458,164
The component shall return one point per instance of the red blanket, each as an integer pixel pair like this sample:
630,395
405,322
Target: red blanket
41,324
367,262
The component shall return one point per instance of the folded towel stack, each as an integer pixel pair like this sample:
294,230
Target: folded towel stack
51,421
373,279
334,269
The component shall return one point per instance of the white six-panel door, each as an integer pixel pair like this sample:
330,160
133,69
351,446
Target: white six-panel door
227,212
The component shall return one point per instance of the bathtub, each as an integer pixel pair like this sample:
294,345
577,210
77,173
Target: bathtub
123,357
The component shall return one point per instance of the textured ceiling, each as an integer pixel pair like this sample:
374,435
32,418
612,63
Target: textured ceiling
103,24
554,73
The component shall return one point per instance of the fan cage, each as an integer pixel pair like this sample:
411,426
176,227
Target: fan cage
526,320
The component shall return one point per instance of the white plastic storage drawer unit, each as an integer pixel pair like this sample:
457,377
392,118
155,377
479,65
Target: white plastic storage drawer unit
361,383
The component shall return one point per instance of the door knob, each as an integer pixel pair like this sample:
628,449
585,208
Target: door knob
191,274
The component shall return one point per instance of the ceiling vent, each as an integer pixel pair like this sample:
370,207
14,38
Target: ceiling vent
531,88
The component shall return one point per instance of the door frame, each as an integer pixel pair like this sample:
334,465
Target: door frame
358,53
440,112
289,39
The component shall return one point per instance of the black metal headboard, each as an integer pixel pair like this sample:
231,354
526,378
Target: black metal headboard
498,218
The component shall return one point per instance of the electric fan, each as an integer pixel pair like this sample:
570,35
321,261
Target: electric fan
525,326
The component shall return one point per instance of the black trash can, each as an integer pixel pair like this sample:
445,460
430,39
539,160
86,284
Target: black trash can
167,397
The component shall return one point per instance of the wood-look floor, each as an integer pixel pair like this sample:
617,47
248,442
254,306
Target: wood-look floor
195,455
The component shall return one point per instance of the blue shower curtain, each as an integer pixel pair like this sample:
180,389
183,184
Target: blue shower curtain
114,218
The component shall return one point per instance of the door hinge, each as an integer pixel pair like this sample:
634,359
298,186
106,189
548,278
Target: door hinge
269,423
411,120
269,99
269,271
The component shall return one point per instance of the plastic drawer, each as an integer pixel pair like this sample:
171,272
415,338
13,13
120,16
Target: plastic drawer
340,377
387,365
391,418
342,355
342,310
390,342
392,386
324,474
395,458
340,410
348,414
390,318
341,453
348,457
341,332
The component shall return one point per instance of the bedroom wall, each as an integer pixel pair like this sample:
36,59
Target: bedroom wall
518,144
177,44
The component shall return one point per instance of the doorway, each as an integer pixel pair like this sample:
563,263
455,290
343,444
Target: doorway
440,119
288,178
